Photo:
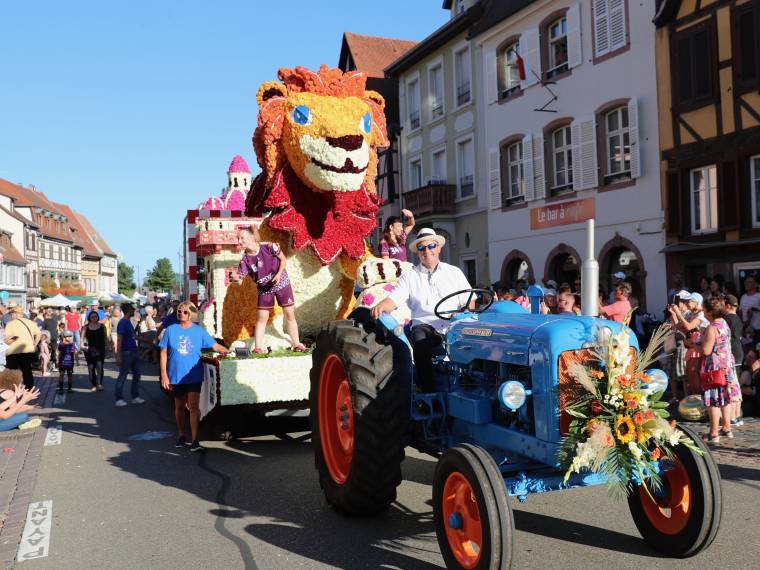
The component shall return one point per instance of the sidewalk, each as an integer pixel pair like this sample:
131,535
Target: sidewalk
20,454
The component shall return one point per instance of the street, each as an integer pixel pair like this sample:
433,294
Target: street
120,499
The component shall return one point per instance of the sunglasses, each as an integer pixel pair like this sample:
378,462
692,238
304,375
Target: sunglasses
430,246
183,312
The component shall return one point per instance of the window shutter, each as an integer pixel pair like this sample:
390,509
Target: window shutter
494,178
618,35
674,204
531,54
728,195
574,49
601,28
527,160
633,126
492,88
539,172
583,133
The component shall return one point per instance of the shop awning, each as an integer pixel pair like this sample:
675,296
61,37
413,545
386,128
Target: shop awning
692,246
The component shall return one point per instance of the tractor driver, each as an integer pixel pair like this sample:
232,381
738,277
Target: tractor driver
422,288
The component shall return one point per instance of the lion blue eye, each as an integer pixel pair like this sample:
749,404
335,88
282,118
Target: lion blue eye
302,115
366,123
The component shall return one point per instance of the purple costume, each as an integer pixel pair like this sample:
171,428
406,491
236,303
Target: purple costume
394,250
262,267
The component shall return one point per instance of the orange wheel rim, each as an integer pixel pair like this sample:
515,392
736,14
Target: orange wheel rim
461,518
336,419
670,513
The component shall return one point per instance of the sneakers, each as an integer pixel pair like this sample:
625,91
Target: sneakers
59,390
196,447
31,424
729,434
138,400
181,441
120,403
100,387
70,390
737,422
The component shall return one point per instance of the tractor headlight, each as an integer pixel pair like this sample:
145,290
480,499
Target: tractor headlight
658,380
512,395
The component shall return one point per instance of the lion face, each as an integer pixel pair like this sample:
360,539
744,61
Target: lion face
326,126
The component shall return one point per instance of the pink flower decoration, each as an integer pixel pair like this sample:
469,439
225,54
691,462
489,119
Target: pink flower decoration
389,287
368,299
235,200
238,164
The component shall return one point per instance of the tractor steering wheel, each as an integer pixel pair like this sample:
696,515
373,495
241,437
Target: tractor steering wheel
464,309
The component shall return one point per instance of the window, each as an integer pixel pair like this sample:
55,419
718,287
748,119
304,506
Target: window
465,166
435,90
235,181
610,28
693,66
512,177
509,80
562,159
704,200
557,47
415,174
746,49
470,268
438,173
755,172
462,75
413,103
618,143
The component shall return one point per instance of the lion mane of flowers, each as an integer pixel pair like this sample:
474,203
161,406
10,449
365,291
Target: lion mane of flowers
316,142
620,428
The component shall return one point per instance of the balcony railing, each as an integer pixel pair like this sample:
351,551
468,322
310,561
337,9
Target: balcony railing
414,120
463,93
432,199
437,109
466,185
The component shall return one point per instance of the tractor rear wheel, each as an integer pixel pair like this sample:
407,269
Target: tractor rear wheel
473,518
684,517
357,418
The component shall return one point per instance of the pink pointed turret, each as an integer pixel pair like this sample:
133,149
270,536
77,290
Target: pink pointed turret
238,164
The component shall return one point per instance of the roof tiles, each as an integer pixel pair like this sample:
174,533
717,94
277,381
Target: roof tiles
372,54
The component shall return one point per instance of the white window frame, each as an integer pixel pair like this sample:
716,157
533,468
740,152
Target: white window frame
711,201
459,48
567,151
433,102
508,89
459,143
552,66
509,163
755,190
411,183
442,177
413,83
620,134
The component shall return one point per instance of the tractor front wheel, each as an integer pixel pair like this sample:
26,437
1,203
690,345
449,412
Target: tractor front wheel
473,519
357,418
685,514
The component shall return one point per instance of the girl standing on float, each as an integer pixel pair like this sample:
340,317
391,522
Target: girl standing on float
393,242
265,263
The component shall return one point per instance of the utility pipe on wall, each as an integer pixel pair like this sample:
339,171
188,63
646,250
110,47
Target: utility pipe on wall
590,276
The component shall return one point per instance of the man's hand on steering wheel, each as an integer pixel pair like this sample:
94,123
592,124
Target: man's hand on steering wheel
468,306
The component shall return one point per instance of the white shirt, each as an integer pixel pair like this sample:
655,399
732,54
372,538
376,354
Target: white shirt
421,289
746,303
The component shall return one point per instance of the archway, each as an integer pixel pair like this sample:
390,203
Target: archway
563,265
516,266
621,255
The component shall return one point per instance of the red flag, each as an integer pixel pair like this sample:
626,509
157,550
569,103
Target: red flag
520,66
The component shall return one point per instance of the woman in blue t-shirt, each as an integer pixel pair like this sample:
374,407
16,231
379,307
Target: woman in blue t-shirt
182,368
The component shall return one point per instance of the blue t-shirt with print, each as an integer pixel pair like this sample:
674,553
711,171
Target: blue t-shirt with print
184,347
128,338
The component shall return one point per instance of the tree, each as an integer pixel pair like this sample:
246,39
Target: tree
126,277
161,277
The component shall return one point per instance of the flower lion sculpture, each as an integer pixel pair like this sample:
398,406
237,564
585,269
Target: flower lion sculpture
620,427
316,142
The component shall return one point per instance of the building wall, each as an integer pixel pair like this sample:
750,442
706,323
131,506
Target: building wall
628,213
457,123
90,275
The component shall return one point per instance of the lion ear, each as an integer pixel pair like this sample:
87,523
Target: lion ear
376,97
269,90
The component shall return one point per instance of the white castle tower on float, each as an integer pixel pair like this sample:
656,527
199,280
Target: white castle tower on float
214,228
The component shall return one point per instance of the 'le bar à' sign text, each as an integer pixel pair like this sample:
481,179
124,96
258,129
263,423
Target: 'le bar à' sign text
562,214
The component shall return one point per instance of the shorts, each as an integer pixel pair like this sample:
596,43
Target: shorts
184,389
284,298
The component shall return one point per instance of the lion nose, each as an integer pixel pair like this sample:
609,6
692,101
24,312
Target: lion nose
347,142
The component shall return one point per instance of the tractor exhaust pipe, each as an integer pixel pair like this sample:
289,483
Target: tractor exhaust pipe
590,276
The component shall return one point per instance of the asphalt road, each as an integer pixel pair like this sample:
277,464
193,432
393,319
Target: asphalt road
256,503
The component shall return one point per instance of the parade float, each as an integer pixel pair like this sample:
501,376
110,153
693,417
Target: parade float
316,143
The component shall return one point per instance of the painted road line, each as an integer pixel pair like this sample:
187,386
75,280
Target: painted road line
35,542
59,399
54,435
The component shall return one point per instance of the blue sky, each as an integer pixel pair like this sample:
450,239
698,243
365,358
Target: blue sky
130,111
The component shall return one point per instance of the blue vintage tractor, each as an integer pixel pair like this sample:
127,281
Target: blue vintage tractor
494,420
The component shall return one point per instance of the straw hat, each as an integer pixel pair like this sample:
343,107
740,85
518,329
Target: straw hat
427,234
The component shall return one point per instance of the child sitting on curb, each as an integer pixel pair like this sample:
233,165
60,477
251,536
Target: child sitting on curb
265,263
14,402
